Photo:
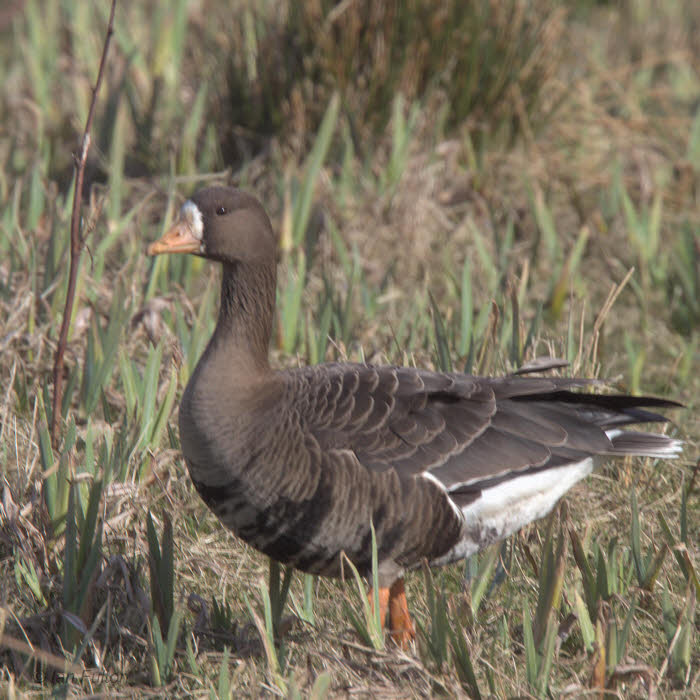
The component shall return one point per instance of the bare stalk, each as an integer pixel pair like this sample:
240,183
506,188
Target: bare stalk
76,240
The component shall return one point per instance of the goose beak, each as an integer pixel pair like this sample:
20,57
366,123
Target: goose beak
178,239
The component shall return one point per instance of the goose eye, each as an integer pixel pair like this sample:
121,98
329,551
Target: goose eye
220,211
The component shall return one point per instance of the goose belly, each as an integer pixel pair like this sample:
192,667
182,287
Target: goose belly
289,530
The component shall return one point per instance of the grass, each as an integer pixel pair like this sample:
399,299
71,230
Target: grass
478,242
490,62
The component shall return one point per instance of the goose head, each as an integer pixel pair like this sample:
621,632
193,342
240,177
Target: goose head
221,224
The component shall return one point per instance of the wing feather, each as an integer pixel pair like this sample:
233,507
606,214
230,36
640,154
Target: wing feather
462,430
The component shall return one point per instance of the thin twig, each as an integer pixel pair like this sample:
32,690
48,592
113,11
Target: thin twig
76,240
46,657
603,314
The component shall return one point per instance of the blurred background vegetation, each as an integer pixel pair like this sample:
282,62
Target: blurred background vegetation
458,185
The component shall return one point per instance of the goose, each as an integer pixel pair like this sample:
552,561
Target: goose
298,462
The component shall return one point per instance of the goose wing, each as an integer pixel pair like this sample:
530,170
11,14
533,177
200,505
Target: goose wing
462,430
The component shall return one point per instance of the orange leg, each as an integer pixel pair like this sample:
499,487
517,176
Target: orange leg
383,603
401,625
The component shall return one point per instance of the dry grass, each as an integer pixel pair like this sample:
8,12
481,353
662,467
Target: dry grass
396,226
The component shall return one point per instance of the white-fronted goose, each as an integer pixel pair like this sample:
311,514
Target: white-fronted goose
298,462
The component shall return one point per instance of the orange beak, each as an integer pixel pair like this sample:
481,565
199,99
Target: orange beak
178,239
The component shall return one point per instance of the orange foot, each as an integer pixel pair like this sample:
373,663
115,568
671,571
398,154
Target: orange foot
383,603
401,625
394,601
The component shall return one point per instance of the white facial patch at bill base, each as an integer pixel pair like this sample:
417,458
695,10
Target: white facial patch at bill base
192,216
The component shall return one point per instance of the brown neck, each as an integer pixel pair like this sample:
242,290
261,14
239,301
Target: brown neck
242,335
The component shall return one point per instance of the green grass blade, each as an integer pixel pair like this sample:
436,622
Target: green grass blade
531,659
302,208
645,574
547,660
585,623
265,632
88,571
466,310
484,576
173,633
70,555
624,633
308,615
50,484
369,626
167,569
88,534
129,382
165,409
224,690
291,303
683,516
463,663
153,545
149,391
157,654
321,687
443,351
